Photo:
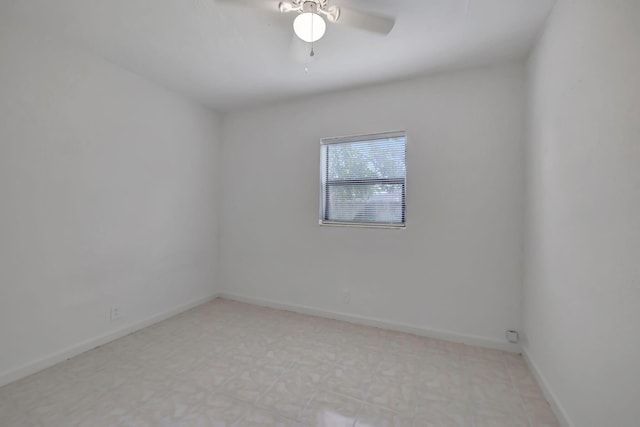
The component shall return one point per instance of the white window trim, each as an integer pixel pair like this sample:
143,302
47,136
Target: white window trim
356,138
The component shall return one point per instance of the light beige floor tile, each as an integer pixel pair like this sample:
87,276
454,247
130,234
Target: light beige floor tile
395,396
312,373
499,409
227,363
351,356
328,409
488,419
138,390
400,367
31,390
183,361
276,367
484,354
283,354
373,416
287,396
217,410
487,370
323,353
515,360
241,358
250,384
495,395
102,412
174,407
88,363
212,373
434,383
444,359
350,381
524,382
112,375
10,413
60,409
258,417
539,413
443,413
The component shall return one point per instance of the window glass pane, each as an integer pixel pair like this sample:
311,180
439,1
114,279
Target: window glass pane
368,159
366,203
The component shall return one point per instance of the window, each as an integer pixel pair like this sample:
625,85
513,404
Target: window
363,180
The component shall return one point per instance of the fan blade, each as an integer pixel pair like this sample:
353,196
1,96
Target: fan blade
260,4
365,21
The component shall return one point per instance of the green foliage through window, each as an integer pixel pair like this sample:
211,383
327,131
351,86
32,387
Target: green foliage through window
363,179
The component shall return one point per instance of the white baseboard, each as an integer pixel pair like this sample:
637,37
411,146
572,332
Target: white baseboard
380,323
59,356
558,410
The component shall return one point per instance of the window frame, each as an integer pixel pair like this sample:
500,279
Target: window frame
324,179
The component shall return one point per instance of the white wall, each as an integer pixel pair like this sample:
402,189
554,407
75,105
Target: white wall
582,288
108,189
455,269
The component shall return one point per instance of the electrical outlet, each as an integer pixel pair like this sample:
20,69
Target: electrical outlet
346,297
115,312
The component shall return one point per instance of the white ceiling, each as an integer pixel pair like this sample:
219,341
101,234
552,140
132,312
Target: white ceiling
230,57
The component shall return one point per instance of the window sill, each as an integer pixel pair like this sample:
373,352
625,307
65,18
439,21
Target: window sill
363,225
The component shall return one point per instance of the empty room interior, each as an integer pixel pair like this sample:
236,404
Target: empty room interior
336,213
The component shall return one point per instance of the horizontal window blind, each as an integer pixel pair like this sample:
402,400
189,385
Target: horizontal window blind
363,180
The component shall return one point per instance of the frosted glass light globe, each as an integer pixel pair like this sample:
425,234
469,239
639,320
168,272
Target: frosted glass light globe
309,26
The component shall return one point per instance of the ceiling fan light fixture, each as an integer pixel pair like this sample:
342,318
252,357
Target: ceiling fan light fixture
309,26
333,13
285,7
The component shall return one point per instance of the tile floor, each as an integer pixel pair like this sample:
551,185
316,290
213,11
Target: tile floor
226,363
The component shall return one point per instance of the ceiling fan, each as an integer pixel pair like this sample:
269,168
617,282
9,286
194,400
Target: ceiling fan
310,25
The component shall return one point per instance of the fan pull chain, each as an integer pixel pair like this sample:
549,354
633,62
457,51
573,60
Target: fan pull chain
311,52
308,59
